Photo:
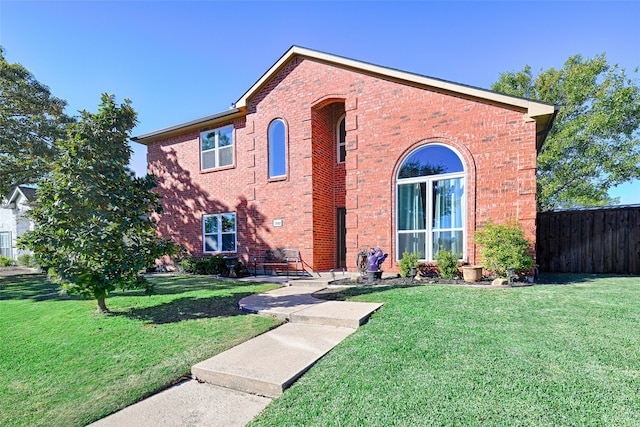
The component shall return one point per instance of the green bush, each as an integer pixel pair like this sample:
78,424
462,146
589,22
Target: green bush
5,261
205,266
504,247
27,260
408,260
447,264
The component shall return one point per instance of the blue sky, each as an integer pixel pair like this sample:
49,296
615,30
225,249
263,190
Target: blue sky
178,61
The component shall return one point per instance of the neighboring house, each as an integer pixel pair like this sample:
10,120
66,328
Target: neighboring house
14,221
329,155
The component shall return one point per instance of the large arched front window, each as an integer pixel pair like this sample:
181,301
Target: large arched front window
431,212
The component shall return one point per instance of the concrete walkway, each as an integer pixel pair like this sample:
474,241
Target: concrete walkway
231,388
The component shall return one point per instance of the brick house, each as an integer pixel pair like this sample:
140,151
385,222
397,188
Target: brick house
330,155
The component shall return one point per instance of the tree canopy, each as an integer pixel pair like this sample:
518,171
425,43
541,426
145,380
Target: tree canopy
31,120
93,223
594,144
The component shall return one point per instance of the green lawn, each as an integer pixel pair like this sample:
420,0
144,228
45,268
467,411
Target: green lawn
63,365
555,355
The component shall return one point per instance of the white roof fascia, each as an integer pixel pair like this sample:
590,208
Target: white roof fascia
533,108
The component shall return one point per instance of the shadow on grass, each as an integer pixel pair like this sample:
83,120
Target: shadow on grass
173,285
188,308
37,287
31,286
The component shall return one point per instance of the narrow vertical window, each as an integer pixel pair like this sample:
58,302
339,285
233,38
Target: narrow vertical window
342,139
5,244
277,149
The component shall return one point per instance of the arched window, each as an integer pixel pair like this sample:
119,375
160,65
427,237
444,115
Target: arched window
341,136
431,212
277,149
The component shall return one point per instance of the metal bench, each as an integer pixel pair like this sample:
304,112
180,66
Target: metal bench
278,260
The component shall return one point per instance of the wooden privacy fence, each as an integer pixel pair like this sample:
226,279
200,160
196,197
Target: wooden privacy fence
590,241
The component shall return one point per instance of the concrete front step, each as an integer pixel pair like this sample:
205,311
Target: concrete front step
268,364
281,302
336,313
298,305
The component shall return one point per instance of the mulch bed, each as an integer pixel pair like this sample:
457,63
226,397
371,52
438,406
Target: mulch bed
406,281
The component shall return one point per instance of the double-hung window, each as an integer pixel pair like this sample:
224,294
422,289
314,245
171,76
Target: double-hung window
219,232
5,243
216,148
431,211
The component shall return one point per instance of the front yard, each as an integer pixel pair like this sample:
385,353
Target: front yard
557,354
63,365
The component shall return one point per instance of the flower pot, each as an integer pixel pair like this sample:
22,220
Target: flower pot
371,276
472,273
413,271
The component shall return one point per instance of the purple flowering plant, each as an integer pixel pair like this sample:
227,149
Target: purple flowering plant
376,258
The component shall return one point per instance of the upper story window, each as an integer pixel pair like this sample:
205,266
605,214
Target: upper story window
219,232
342,139
431,213
277,141
216,148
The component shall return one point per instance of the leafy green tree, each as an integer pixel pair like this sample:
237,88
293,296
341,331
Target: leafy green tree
94,229
594,144
31,120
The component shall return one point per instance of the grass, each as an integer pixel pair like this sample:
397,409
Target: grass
553,355
63,365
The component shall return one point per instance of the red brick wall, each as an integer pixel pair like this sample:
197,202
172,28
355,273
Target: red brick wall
328,183
385,121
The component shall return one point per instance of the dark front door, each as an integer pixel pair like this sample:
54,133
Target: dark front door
341,250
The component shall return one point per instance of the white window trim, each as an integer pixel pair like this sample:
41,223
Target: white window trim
216,148
338,142
286,150
219,233
9,249
429,256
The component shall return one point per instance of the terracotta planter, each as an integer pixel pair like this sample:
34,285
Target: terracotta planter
472,273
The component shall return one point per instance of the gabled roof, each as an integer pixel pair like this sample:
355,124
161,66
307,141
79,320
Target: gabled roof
543,113
29,194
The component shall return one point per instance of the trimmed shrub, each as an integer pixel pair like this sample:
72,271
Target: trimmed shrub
408,260
447,264
27,260
210,265
504,247
5,261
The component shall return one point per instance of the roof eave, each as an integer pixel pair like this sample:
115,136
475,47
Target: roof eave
544,123
201,123
532,108
13,197
542,113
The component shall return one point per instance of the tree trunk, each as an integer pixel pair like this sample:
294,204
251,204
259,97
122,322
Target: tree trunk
102,306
